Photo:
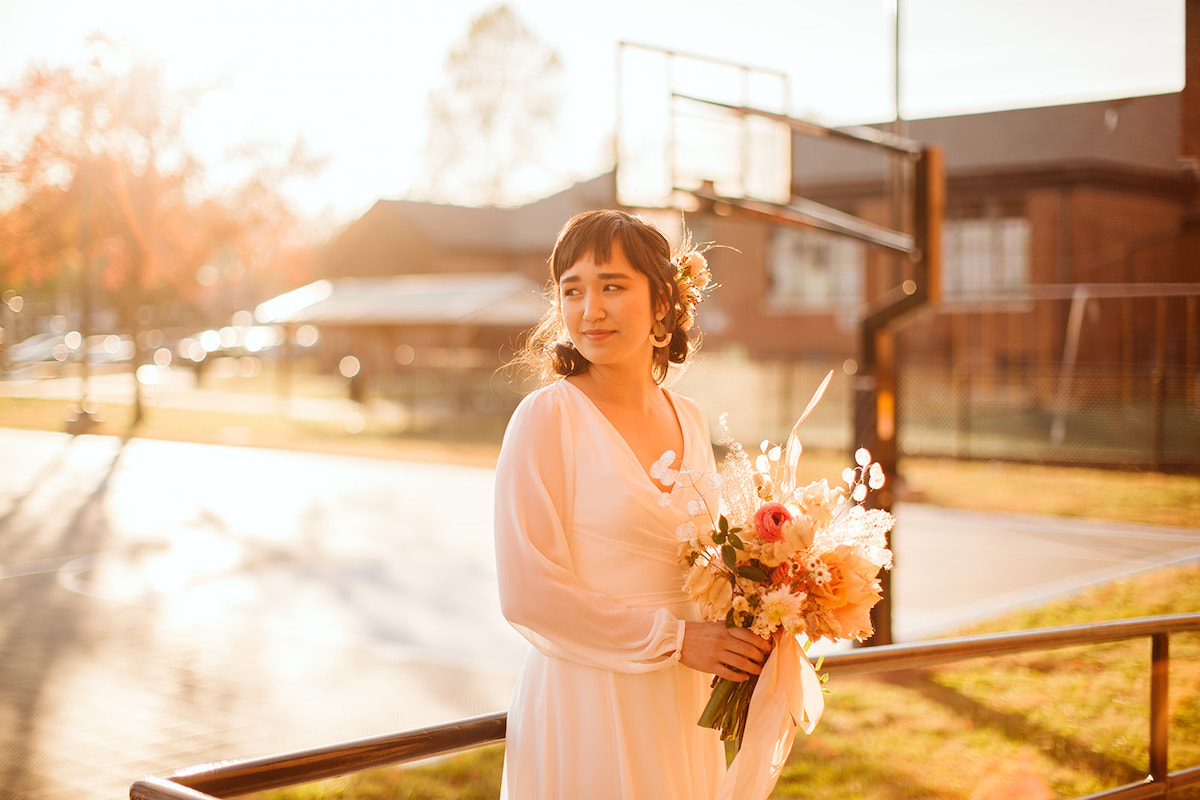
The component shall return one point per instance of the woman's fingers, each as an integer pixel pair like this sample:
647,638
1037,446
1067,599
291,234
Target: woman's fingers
763,646
739,667
731,674
731,653
710,647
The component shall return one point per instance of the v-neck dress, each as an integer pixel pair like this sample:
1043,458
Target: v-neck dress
586,560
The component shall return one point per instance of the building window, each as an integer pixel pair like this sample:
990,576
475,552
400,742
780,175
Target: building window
813,269
984,257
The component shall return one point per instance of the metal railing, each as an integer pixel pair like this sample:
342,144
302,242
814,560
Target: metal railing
209,781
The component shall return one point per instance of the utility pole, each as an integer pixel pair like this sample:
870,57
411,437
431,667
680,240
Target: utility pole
876,392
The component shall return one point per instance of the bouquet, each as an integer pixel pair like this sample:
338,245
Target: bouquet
779,559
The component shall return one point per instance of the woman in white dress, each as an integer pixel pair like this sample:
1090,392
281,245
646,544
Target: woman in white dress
620,669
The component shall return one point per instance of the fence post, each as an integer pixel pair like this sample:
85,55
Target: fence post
962,382
1158,381
1160,712
1191,396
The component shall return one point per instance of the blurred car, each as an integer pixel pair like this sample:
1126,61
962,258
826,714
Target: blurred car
39,347
107,348
68,347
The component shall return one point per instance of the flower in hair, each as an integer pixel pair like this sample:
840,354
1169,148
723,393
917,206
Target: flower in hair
697,268
692,277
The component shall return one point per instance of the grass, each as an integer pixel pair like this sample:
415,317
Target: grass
1150,498
474,775
471,442
1060,723
1140,497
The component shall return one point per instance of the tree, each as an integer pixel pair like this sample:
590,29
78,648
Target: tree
491,122
264,246
100,200
93,173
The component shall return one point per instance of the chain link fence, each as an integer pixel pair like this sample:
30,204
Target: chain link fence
1091,415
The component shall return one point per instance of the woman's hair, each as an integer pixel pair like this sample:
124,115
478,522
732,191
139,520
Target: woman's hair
548,351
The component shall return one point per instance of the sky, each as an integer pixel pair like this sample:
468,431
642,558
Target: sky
352,78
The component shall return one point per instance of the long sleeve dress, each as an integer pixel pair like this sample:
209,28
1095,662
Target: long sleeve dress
586,559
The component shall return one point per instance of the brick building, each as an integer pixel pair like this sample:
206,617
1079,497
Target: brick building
1038,201
1068,274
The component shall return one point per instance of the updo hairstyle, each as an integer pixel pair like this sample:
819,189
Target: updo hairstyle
549,352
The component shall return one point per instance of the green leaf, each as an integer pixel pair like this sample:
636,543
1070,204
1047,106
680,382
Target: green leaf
753,573
724,523
736,541
729,556
719,538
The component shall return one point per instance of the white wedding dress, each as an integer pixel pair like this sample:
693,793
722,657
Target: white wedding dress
587,568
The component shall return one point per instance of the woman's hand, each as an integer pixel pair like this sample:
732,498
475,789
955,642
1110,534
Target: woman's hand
732,653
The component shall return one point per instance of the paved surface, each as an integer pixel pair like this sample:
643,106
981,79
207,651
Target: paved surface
167,604
163,605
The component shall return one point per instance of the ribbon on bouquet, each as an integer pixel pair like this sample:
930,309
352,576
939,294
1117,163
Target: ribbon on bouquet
788,695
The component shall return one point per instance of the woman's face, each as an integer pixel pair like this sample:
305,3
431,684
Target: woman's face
606,309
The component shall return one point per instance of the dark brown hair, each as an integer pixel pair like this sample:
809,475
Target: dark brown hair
547,351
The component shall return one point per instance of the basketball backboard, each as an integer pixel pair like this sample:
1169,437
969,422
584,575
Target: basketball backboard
678,127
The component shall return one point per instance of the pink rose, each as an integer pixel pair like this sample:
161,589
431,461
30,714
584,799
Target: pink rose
769,521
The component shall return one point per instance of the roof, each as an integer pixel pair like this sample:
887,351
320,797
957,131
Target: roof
1137,133
488,299
530,228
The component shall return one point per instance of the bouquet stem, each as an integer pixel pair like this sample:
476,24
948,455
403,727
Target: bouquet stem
728,707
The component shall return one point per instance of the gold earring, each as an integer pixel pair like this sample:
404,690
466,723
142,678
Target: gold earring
659,335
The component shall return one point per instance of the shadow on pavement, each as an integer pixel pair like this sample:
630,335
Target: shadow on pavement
42,626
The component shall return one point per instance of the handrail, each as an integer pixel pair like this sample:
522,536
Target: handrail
211,781
897,657
318,763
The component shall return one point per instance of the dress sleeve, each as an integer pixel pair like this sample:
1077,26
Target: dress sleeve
540,593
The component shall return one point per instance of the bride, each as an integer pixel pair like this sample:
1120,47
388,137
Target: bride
621,666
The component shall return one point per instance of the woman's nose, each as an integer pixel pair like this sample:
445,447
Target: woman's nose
593,306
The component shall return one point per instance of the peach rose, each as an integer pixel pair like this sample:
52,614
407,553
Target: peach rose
850,593
769,521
